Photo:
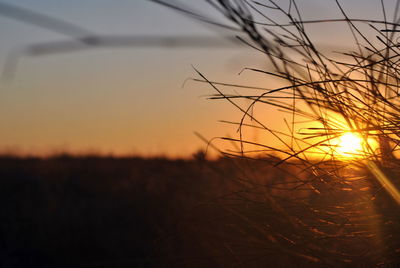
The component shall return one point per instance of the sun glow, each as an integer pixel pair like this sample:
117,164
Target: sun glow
350,145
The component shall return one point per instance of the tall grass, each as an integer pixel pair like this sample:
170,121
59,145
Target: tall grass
329,208
295,199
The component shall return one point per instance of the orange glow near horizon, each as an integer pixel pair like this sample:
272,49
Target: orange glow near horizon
352,145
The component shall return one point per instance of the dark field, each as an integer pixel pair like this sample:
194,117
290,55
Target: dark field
133,212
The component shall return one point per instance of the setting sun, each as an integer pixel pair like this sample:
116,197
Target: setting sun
350,144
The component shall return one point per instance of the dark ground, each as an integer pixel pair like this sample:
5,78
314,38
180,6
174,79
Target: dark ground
133,212
96,212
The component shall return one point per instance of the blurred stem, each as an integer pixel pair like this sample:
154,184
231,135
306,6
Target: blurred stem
384,181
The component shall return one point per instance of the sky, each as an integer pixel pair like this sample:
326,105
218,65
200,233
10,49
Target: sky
131,100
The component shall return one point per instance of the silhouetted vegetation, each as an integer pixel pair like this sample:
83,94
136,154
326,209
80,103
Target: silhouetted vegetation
133,212
249,208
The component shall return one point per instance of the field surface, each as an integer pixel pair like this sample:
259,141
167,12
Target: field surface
134,212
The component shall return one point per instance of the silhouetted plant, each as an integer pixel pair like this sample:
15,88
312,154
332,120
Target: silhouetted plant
346,217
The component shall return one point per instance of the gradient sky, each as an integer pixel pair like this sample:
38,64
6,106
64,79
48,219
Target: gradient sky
130,100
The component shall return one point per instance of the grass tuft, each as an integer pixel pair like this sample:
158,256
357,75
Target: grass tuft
334,205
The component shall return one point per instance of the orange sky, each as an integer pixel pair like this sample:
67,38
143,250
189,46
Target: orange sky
125,100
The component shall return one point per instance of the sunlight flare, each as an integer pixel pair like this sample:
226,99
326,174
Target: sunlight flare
350,144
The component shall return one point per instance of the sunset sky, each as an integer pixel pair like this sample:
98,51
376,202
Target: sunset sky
130,100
